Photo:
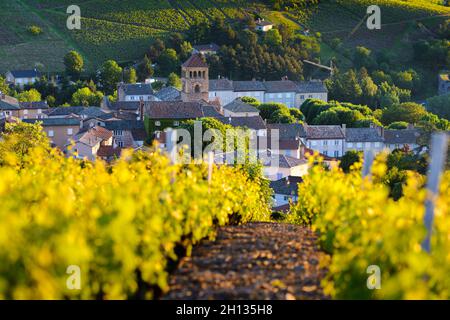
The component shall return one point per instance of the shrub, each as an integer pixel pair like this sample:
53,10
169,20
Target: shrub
362,226
121,224
35,30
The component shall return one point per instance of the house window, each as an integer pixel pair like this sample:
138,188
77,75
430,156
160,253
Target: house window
51,133
367,145
70,131
118,132
25,111
288,95
271,95
279,176
377,144
280,95
336,142
176,123
349,145
131,98
336,153
158,123
325,153
325,142
286,198
39,111
359,145
313,143
302,97
310,96
120,144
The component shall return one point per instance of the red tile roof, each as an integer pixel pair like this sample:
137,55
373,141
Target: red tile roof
195,61
108,152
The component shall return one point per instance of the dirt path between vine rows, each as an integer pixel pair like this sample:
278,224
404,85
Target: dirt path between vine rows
252,261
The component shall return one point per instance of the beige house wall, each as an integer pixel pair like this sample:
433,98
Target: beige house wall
61,136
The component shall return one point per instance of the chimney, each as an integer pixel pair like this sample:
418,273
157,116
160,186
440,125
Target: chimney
229,120
344,128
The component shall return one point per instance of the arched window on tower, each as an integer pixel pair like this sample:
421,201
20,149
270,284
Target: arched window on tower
197,88
195,74
190,74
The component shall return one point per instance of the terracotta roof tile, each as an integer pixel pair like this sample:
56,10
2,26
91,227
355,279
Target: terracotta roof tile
195,61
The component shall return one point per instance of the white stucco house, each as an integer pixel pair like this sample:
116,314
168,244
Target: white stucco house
290,93
22,77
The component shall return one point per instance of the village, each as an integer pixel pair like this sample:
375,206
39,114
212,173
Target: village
141,116
224,150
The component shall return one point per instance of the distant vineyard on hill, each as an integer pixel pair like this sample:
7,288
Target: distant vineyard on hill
122,30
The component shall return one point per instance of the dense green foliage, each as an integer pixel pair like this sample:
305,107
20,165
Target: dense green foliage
336,113
121,224
74,63
362,226
279,113
440,106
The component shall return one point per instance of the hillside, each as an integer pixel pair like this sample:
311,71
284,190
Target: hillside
122,30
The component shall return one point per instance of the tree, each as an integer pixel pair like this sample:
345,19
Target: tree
409,112
130,75
74,63
297,114
363,58
368,87
251,101
3,86
278,113
398,125
345,86
439,105
273,38
349,159
51,101
168,62
145,69
20,138
156,49
85,97
337,116
208,123
185,50
31,95
174,80
110,74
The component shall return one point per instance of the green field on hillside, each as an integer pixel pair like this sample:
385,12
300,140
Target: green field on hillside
122,30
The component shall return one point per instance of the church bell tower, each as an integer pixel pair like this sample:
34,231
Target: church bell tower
195,79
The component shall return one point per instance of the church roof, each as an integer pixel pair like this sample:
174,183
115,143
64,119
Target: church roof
195,61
